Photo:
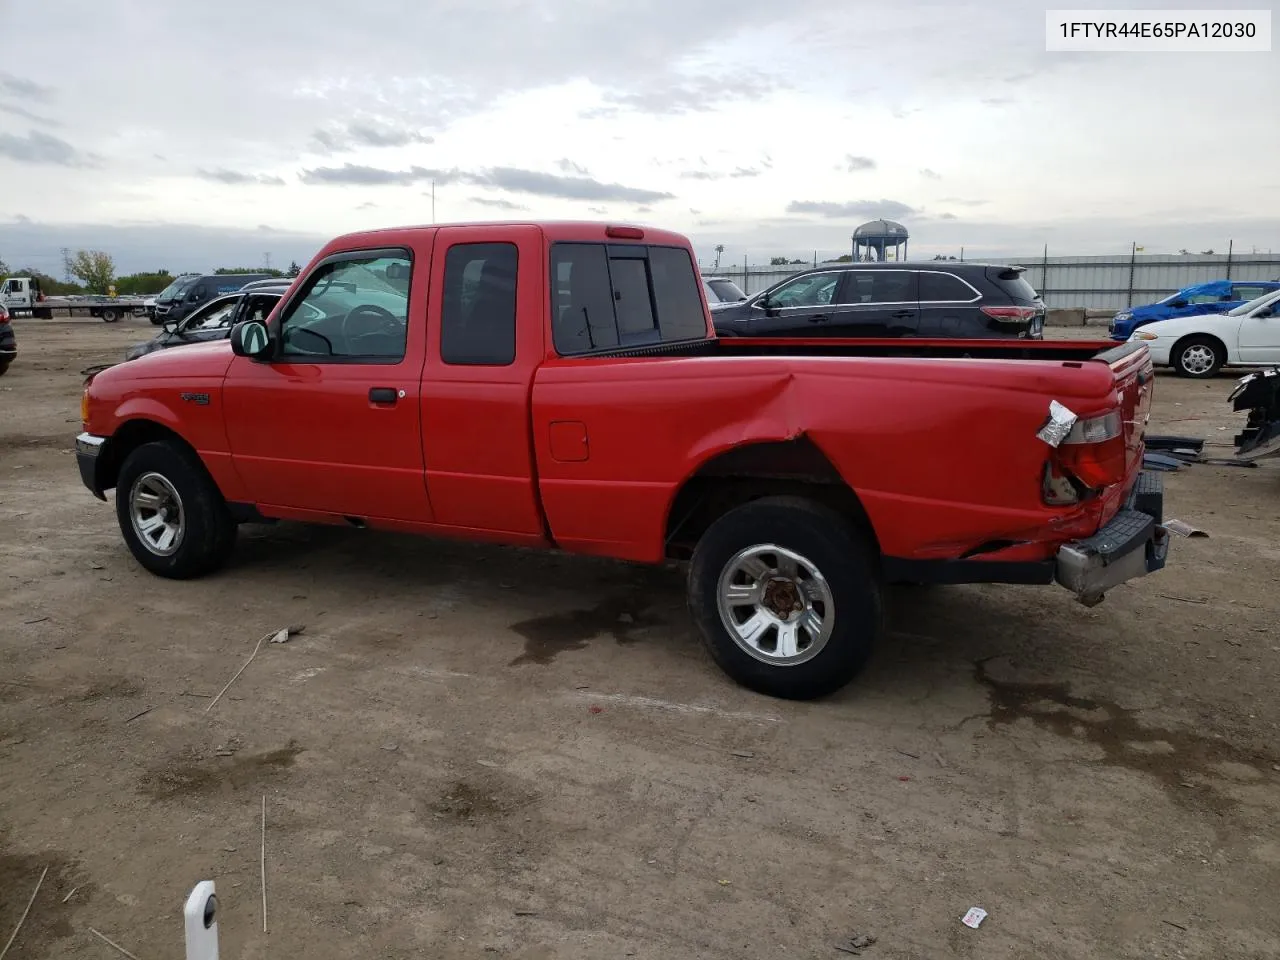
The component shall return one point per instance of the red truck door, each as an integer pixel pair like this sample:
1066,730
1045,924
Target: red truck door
478,377
331,425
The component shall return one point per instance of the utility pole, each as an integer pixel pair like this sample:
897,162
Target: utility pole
266,261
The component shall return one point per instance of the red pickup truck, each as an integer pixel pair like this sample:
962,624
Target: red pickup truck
560,385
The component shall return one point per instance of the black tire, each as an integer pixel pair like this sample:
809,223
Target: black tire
45,313
831,546
156,321
110,315
207,531
4,367
1188,358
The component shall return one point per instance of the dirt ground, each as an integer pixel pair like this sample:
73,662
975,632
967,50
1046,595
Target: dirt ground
475,752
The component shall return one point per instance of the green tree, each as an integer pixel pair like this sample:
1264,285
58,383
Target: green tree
94,268
294,269
143,284
4,269
267,271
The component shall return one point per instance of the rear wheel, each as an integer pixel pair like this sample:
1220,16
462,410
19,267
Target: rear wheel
1199,357
171,513
110,315
786,597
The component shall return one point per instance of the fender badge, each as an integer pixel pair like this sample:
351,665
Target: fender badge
200,398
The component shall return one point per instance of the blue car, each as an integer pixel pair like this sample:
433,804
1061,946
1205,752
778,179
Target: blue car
1216,296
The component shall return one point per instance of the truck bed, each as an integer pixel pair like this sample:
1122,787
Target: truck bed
1062,351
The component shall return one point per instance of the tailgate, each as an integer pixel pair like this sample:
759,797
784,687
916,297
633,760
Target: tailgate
1134,375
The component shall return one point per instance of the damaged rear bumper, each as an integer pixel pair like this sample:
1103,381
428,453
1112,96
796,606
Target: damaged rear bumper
1132,544
1259,393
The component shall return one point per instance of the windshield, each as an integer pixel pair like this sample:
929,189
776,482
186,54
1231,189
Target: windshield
726,291
176,289
217,314
1247,308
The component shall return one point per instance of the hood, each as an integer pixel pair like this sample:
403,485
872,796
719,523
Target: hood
196,360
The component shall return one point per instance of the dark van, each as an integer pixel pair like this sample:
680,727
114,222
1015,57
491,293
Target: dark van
187,293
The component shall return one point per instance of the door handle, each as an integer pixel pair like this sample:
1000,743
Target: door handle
901,314
819,318
382,395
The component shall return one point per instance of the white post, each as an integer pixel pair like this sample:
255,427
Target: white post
202,922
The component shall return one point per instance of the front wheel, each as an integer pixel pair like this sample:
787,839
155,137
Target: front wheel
786,597
171,513
110,315
1198,357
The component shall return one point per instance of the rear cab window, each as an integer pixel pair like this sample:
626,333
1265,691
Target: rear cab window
606,296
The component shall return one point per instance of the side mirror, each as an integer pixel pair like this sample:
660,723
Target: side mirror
251,339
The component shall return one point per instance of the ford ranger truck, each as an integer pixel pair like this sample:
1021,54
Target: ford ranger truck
560,385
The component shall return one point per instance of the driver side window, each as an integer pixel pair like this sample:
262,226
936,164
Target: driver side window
355,308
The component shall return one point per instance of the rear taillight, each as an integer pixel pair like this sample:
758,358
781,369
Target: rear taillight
4,315
1095,429
1010,314
1090,458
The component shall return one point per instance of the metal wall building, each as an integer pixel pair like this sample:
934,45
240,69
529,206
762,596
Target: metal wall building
1105,282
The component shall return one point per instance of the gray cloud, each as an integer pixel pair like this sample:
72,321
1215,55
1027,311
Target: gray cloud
962,202
368,133
236,179
998,101
853,163
568,166
599,211
45,150
26,114
690,93
367,205
511,179
354,174
565,188
736,174
497,203
865,209
930,174
26,89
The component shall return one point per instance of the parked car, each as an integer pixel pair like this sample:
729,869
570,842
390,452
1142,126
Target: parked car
214,320
891,299
188,292
722,290
1216,296
601,416
1202,345
8,341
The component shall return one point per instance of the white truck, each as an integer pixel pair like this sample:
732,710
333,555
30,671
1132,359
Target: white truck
22,296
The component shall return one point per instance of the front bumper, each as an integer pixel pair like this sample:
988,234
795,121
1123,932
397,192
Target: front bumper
88,454
1132,544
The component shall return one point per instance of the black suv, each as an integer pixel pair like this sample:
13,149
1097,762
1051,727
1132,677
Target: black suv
891,299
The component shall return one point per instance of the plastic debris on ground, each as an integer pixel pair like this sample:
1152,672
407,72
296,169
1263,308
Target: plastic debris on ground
1183,529
974,917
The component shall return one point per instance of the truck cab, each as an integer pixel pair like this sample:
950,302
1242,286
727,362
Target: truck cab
22,295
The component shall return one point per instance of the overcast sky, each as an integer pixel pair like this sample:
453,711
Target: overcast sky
189,134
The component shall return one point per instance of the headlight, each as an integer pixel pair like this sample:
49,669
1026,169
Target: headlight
1144,335
1122,317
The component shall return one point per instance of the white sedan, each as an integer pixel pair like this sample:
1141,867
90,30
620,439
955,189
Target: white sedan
1200,346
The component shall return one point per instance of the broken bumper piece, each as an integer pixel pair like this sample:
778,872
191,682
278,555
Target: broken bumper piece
1133,544
1259,393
